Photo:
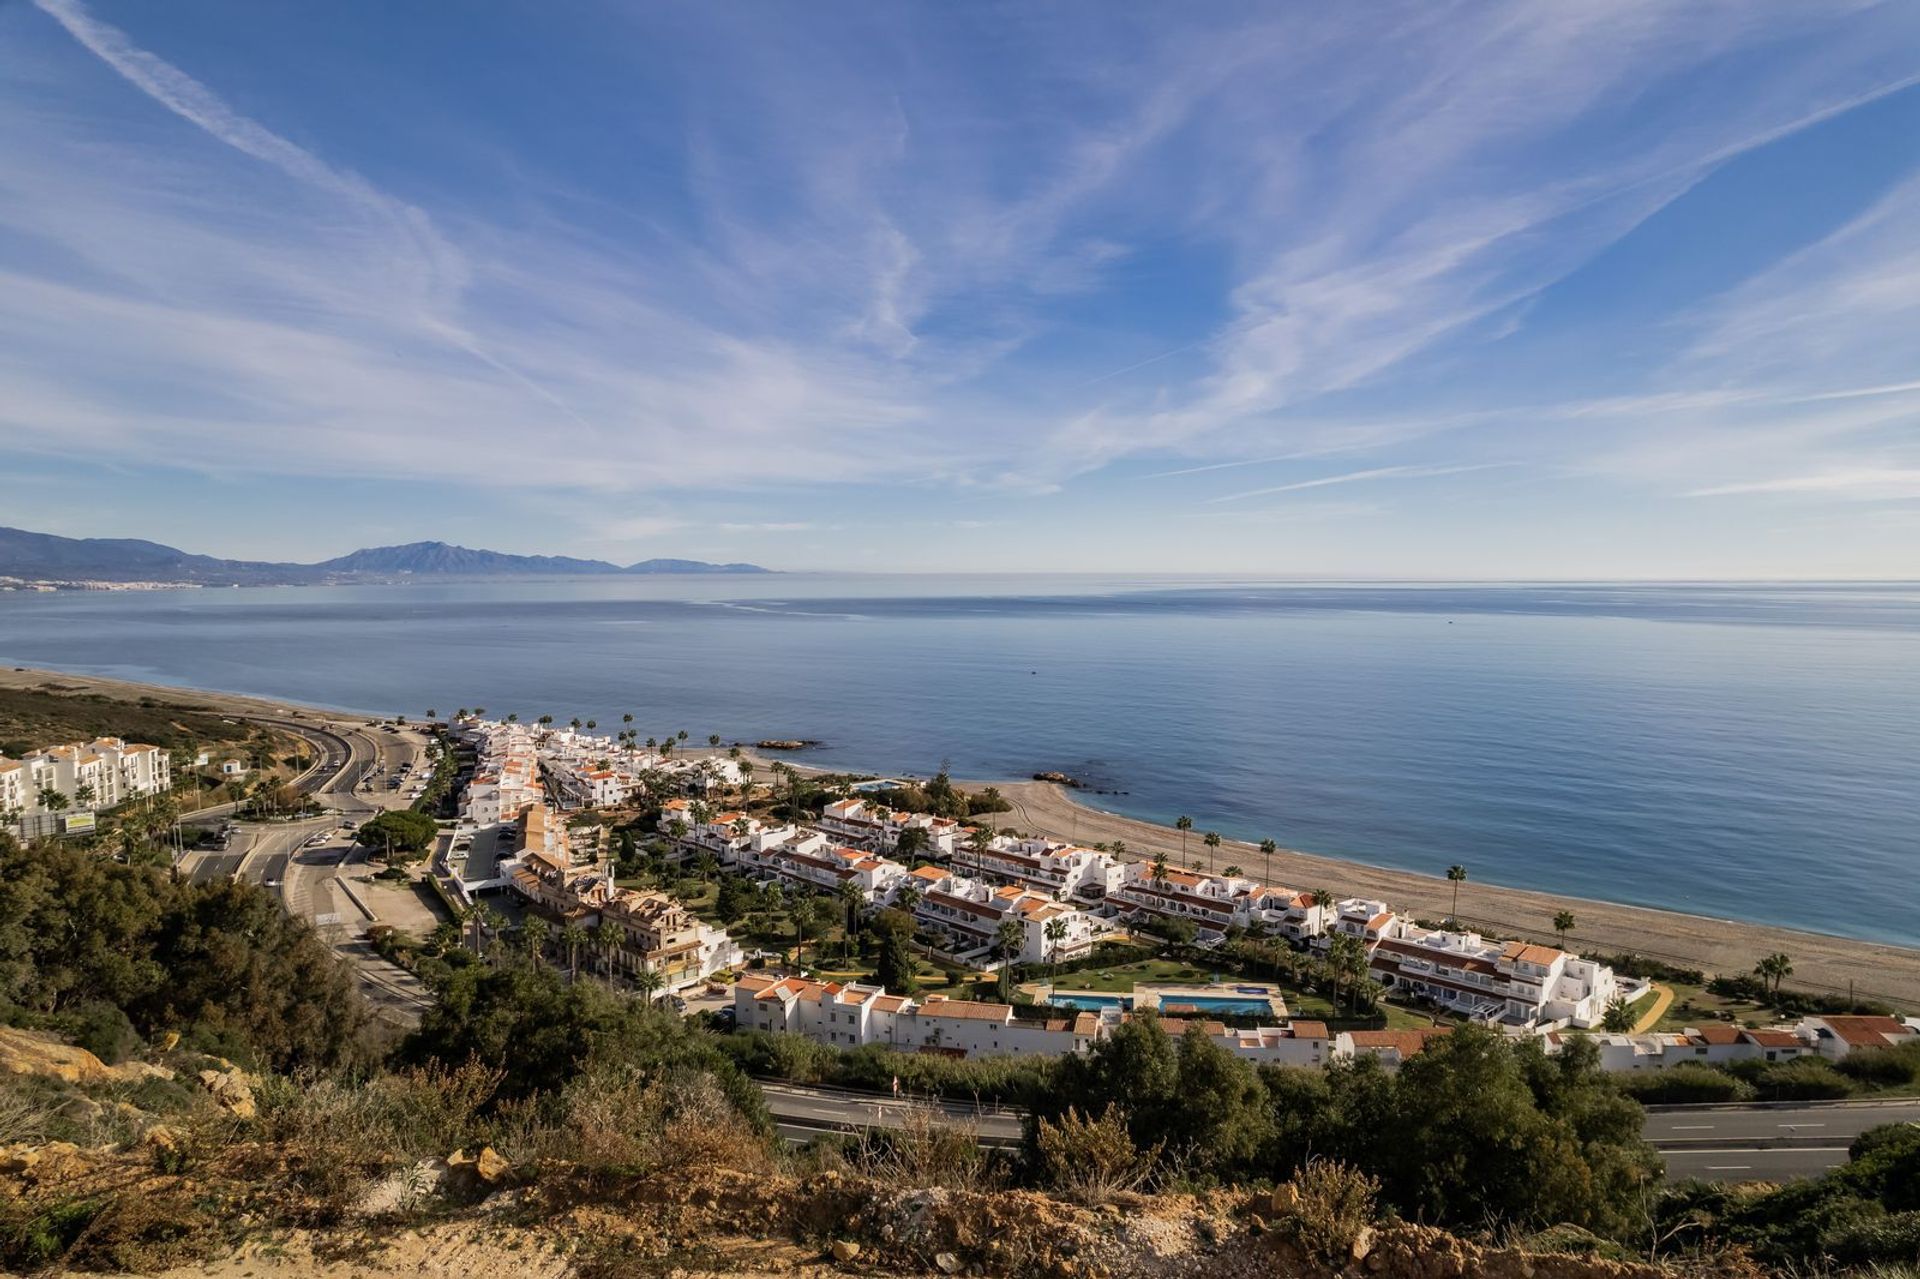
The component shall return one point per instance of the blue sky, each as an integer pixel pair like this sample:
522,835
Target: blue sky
1444,290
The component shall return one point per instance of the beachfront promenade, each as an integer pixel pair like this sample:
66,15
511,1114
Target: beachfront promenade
1820,961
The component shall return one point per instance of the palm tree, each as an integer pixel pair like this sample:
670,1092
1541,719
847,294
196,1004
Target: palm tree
572,936
851,900
1776,968
1183,824
469,917
805,914
1233,872
592,724
1160,869
534,933
1563,924
1119,847
445,936
1457,875
1007,939
713,740
648,982
574,724
479,711
627,718
1267,849
52,800
606,940
1325,898
1212,841
1056,931
513,717
83,794
432,713
1347,957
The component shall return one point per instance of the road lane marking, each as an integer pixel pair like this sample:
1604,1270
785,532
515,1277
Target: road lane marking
1762,1150
1691,1127
1800,1125
1729,1167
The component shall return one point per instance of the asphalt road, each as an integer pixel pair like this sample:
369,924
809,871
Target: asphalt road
1758,1143
1766,1142
804,1111
278,855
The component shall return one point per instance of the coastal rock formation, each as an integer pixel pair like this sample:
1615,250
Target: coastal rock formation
785,744
1059,779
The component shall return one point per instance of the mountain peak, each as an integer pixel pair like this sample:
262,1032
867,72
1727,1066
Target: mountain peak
49,557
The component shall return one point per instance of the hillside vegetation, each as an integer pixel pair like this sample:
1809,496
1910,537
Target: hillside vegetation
32,718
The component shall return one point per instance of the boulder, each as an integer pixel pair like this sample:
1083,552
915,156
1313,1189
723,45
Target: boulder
1362,1244
231,1090
1282,1202
946,1263
33,1052
844,1250
480,1170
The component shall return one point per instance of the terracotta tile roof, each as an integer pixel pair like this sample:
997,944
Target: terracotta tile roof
1714,1035
1773,1038
1177,1026
1406,1042
967,1008
1528,953
1309,1029
1867,1032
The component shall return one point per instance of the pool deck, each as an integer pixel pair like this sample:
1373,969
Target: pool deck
1167,999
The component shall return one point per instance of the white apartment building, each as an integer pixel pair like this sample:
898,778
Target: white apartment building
88,775
1830,1037
1214,903
969,912
852,1015
865,824
1050,866
1516,983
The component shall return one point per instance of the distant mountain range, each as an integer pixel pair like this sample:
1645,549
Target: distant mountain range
47,557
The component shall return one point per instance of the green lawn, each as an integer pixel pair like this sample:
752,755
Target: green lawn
1695,1006
1124,977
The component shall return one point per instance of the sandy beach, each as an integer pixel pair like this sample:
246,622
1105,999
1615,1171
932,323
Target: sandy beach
1820,961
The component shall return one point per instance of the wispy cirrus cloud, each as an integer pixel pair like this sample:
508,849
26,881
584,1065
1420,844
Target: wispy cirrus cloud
986,252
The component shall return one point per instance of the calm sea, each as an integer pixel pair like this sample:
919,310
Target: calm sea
1743,751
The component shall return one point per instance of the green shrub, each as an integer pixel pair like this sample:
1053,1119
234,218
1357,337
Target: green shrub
1808,1079
1894,1237
1333,1203
1689,1083
1883,1067
103,1030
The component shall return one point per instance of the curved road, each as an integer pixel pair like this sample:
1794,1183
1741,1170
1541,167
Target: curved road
277,855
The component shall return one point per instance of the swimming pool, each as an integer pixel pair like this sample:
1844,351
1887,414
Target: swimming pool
1088,1002
1219,1004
